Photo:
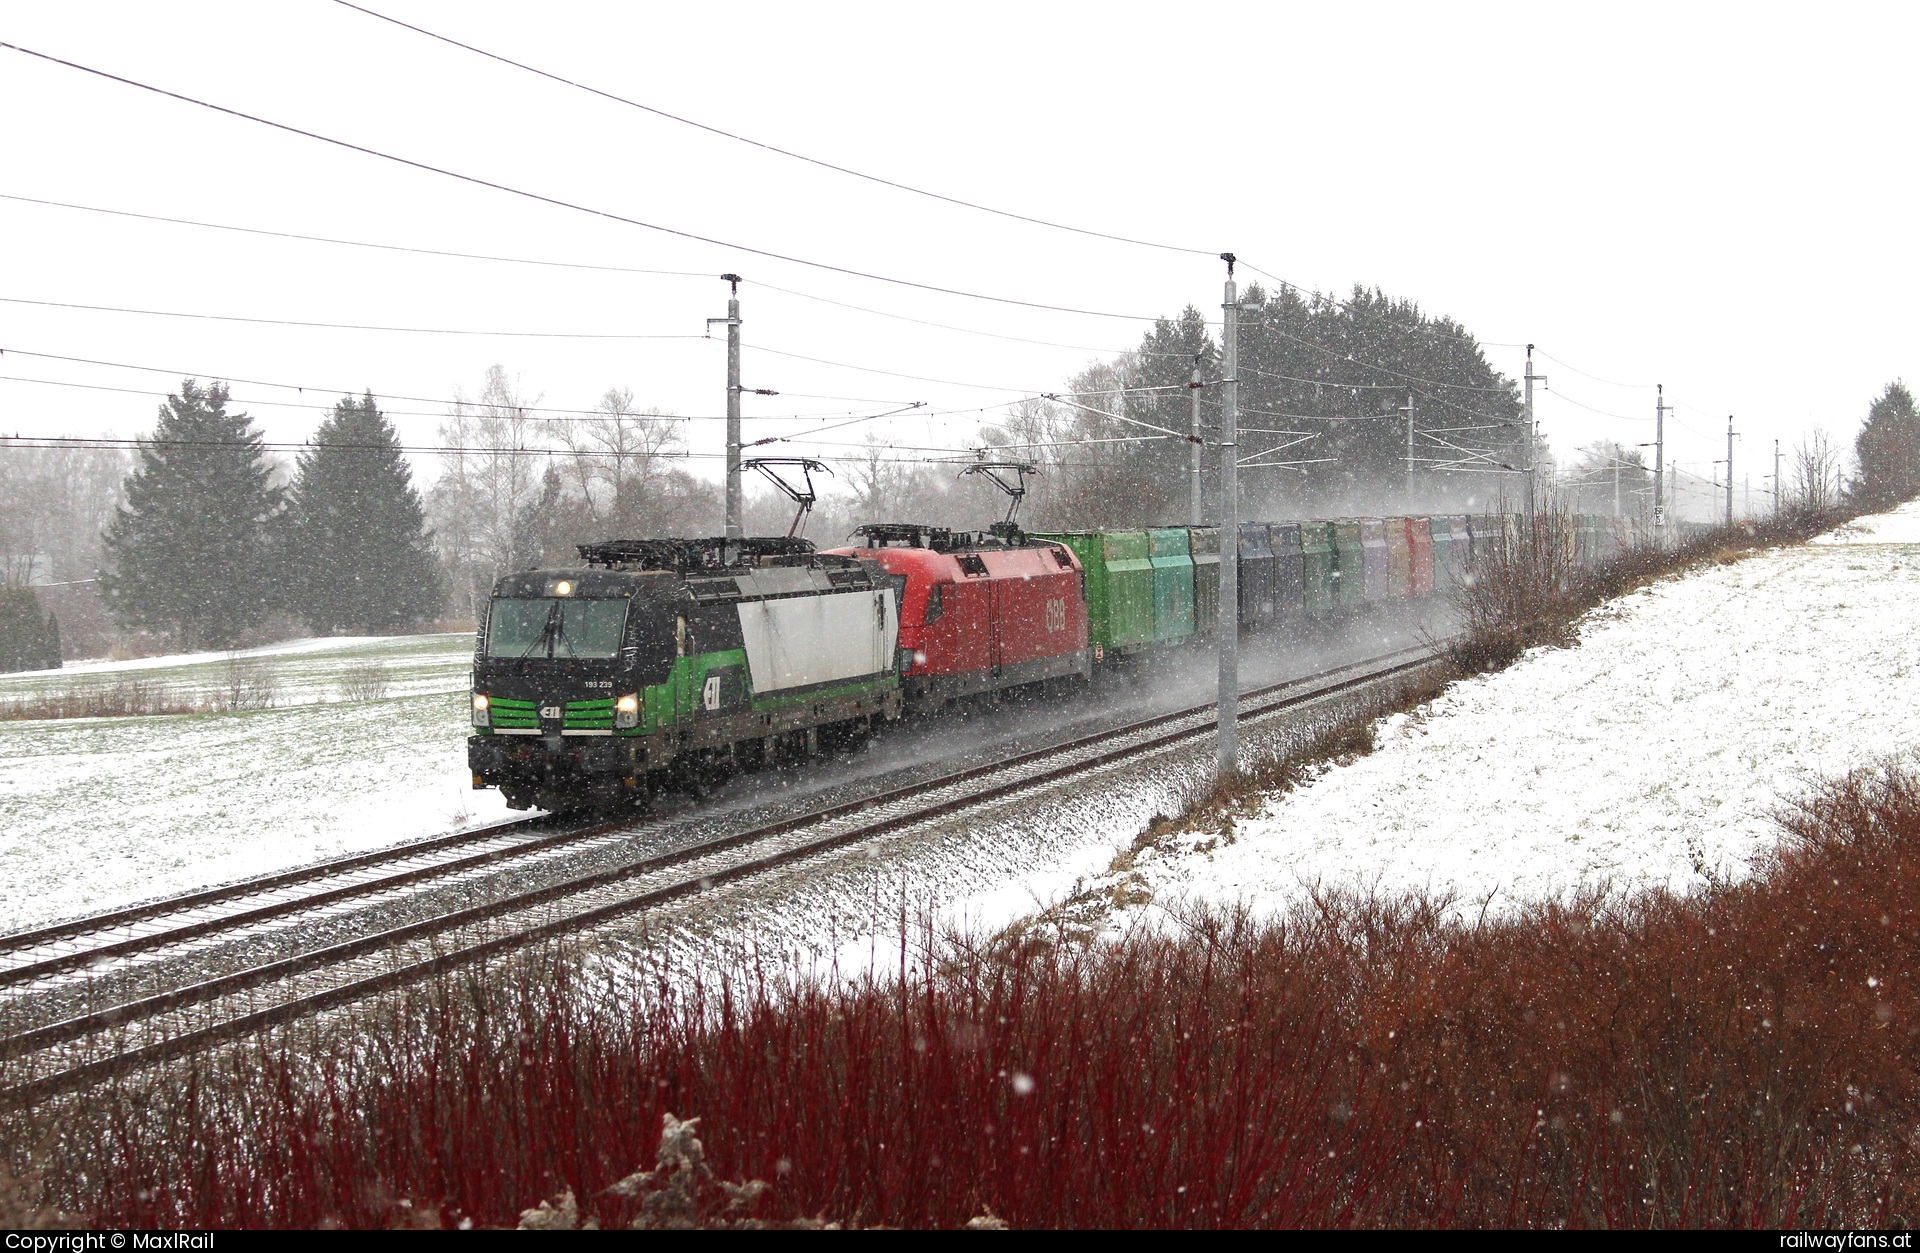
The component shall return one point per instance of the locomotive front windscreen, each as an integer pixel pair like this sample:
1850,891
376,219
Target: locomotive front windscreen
555,627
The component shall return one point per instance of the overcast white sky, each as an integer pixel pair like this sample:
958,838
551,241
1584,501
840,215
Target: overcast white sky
1714,197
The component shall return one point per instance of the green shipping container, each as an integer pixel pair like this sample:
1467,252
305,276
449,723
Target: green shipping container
1172,561
1118,570
1440,533
1349,567
1204,542
1317,569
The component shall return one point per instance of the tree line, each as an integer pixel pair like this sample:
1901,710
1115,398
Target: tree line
1325,386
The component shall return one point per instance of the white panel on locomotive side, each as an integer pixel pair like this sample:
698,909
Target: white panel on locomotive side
799,641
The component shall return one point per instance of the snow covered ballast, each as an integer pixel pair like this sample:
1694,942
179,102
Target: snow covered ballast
685,656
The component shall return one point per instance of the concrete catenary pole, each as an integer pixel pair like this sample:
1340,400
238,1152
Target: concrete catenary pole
1729,469
1196,507
1409,480
1227,740
1532,430
1776,478
735,528
1659,463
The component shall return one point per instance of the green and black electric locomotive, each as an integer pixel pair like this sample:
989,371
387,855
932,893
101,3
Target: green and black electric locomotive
676,657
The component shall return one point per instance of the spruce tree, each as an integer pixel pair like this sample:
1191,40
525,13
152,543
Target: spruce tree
1888,450
28,641
356,531
188,554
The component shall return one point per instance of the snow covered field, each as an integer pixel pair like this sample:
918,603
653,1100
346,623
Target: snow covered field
99,811
1652,754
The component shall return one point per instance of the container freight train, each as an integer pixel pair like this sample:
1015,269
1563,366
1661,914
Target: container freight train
686,659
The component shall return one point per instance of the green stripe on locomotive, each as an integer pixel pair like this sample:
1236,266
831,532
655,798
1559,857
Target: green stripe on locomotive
683,698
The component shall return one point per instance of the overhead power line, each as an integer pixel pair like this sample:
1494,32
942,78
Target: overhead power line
228,377
1022,393
1329,298
334,326
1622,417
1371,365
774,148
581,265
1288,378
1595,377
555,201
9,443
445,450
353,243
564,415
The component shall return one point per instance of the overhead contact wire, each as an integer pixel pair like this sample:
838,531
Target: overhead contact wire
538,197
774,148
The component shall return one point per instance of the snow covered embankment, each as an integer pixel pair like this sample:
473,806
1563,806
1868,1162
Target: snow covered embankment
1653,754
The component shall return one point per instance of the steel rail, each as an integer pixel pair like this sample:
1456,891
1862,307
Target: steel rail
300,904
14,941
290,1010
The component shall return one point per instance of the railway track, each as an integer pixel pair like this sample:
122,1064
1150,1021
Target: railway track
100,1033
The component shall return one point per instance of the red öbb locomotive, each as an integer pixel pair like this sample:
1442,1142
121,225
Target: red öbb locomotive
980,612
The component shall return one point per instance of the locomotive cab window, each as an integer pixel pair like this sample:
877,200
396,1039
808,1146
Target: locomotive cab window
555,627
935,607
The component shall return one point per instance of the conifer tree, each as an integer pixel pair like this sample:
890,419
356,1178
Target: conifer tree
356,530
28,641
1888,450
188,554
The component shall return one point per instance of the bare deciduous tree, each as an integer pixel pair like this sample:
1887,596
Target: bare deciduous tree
622,466
487,487
54,502
1815,467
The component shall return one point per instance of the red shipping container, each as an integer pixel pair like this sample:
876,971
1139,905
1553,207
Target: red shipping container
1420,549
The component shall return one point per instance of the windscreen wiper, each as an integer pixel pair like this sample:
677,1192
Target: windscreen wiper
548,630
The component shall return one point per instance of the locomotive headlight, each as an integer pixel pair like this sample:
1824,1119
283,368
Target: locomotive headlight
481,717
563,588
626,711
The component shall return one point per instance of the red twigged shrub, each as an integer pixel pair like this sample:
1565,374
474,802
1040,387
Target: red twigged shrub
1743,1056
